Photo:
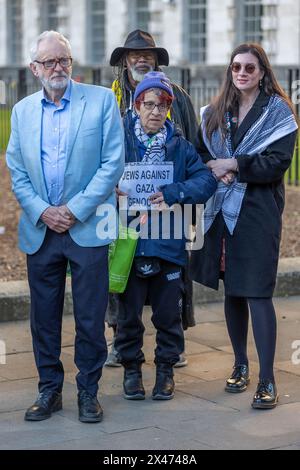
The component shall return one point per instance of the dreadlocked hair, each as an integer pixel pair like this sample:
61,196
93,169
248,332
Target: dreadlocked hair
120,76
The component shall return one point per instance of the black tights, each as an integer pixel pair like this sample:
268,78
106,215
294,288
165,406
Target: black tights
264,330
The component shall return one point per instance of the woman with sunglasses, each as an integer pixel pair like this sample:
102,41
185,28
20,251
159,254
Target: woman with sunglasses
247,137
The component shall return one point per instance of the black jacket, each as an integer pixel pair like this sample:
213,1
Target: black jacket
252,252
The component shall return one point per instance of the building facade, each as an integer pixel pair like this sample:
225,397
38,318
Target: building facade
195,32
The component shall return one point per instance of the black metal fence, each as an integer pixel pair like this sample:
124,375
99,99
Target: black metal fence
201,91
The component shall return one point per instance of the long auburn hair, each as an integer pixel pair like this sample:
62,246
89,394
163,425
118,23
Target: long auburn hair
229,97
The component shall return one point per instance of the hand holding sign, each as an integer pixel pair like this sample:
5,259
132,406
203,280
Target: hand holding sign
157,198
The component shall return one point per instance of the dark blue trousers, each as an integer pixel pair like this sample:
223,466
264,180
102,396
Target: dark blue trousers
47,277
165,291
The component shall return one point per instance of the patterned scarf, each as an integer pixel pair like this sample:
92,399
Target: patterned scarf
275,122
155,145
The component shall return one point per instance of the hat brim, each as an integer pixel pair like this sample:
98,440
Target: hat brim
162,54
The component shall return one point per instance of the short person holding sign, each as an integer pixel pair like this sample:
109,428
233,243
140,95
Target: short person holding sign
162,169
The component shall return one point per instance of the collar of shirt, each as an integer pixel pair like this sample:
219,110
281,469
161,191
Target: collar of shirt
66,97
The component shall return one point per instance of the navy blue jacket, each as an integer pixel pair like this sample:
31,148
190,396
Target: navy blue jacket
193,184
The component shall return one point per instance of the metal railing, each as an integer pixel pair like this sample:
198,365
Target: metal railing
201,94
13,90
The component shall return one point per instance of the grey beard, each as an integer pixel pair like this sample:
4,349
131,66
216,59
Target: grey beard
50,86
137,76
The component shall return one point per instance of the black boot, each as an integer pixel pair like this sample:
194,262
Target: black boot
266,396
133,383
164,385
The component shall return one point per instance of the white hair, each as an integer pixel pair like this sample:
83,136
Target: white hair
47,35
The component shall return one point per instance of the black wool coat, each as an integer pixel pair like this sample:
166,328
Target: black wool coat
252,252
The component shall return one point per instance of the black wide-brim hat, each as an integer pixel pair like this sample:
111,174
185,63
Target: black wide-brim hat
140,40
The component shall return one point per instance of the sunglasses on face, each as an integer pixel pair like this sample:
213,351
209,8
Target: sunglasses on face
237,67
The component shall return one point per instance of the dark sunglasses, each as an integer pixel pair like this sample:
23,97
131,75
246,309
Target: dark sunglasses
237,67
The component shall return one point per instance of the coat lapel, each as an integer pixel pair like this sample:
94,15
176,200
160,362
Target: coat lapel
36,145
78,104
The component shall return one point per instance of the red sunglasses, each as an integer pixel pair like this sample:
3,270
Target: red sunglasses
237,67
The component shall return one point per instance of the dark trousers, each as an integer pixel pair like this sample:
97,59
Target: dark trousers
165,291
47,277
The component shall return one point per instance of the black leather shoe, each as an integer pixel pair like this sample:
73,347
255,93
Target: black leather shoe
133,382
164,386
266,396
89,408
239,380
47,403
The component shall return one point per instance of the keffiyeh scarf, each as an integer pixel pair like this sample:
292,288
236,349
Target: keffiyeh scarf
155,145
275,122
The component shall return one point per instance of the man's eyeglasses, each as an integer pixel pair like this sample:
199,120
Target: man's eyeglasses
237,67
64,62
149,105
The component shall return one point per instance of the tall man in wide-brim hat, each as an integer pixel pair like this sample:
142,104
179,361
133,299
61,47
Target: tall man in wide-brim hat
138,56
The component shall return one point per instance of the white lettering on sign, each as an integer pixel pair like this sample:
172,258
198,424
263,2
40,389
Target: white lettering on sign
140,181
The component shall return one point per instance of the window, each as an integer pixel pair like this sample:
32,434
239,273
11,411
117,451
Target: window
15,30
253,13
54,15
270,26
257,21
96,31
139,15
196,27
142,15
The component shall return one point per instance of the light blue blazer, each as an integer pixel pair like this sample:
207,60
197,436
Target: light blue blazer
95,163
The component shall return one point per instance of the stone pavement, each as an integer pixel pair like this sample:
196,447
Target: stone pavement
201,416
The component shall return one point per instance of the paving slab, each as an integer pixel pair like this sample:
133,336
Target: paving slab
135,440
15,433
213,335
250,429
22,366
19,339
201,416
208,366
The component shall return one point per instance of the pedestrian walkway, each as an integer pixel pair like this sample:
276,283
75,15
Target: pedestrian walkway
201,416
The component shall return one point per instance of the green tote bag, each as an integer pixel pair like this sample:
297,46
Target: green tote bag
120,259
